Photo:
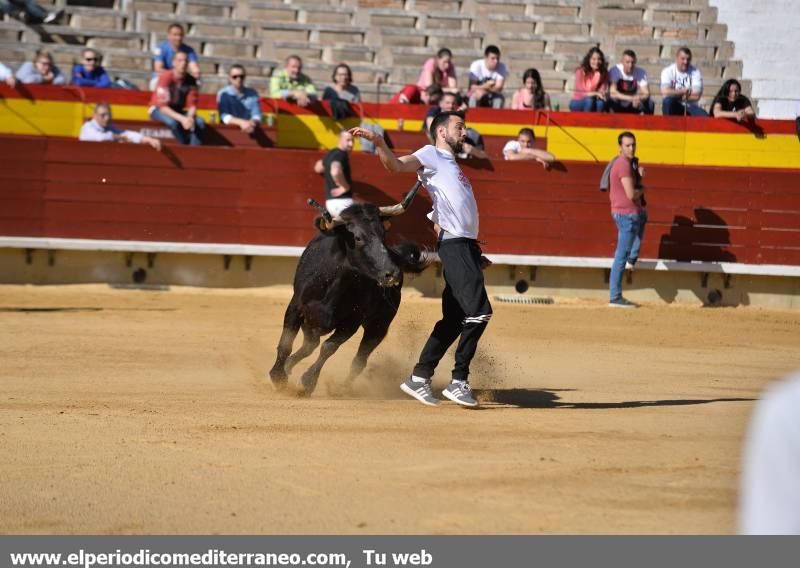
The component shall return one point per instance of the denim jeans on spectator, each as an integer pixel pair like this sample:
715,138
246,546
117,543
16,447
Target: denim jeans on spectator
29,6
674,106
492,100
647,107
194,137
628,228
589,104
637,240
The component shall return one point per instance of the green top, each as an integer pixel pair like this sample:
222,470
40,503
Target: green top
280,85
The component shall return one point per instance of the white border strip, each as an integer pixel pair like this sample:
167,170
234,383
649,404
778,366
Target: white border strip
287,251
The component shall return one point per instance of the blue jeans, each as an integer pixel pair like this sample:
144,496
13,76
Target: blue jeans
589,104
29,6
193,137
637,240
629,229
647,107
674,106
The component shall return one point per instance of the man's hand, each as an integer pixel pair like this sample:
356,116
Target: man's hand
338,190
301,98
545,163
11,81
485,263
367,135
187,122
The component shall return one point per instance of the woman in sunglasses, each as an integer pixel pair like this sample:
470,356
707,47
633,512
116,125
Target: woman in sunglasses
89,72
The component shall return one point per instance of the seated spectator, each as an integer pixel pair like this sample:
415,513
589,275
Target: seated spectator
335,167
531,95
174,102
591,83
522,149
682,87
440,71
630,91
238,104
166,50
42,71
486,79
89,73
102,129
450,102
30,11
7,76
731,103
290,84
797,118
342,93
412,95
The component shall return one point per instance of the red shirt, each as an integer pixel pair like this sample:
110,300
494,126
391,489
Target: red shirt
176,94
412,94
619,201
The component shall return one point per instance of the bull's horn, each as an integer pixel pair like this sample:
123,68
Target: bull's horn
327,222
400,208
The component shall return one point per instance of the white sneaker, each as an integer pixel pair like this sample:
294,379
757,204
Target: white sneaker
629,266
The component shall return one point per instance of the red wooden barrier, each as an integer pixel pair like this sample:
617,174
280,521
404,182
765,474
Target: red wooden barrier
63,188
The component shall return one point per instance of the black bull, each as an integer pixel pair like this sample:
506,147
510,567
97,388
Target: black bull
347,278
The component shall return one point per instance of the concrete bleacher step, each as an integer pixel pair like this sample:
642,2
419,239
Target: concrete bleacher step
210,8
416,56
540,24
314,33
242,48
363,73
557,8
89,37
413,19
434,39
158,23
330,53
95,18
271,11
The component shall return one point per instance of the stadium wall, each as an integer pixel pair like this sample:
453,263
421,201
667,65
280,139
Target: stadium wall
75,211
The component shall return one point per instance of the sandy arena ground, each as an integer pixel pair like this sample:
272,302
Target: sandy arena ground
131,411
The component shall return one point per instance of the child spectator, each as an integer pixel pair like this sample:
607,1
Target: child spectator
439,70
486,79
630,91
290,84
531,95
89,73
238,104
174,102
731,103
41,71
102,129
522,149
591,83
166,50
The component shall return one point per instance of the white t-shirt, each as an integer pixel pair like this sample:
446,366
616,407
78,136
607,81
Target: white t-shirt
770,483
674,79
479,73
639,76
511,147
454,206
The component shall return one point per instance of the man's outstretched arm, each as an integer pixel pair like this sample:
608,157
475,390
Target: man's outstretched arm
388,159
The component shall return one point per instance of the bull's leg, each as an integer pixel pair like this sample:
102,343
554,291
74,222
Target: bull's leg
308,382
372,338
310,342
291,325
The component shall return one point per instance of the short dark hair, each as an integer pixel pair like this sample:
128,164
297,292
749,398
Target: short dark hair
626,134
629,53
236,66
346,67
444,51
174,25
491,49
443,118
528,131
685,49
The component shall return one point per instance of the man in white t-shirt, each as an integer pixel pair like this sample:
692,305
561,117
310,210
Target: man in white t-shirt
486,79
769,503
682,87
630,92
465,304
522,149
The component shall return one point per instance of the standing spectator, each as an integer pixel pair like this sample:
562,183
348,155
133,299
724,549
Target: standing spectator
32,12
102,129
174,102
290,84
682,86
238,104
531,95
591,83
89,73
166,50
42,71
731,103
522,149
412,95
342,94
7,76
486,79
626,210
335,167
769,502
630,91
439,70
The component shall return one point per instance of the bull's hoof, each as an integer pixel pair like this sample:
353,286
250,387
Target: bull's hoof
306,384
279,380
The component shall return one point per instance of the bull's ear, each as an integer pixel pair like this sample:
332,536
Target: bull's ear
323,227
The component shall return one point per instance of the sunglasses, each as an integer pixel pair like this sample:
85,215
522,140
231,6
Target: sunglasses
90,59
234,77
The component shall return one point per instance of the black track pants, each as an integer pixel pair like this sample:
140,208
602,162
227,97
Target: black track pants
465,309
